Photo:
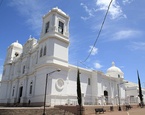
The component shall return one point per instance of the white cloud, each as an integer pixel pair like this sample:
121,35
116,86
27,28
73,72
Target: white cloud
115,10
94,50
137,46
88,11
97,65
85,18
31,10
127,1
125,34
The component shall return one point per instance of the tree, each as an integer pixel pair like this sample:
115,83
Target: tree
79,95
140,91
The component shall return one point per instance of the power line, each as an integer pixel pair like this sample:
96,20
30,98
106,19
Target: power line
85,65
99,31
88,67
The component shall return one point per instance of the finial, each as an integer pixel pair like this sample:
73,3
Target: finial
30,36
113,63
16,41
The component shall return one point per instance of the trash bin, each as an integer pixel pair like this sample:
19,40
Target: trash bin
111,108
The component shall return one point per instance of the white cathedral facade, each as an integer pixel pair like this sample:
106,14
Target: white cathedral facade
26,68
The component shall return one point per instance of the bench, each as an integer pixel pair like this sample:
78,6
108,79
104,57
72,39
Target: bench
99,110
128,107
141,105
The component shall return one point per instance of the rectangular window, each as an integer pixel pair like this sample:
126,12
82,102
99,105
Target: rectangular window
47,27
89,81
23,69
13,91
60,27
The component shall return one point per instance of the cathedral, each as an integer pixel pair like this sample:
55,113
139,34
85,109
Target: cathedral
29,67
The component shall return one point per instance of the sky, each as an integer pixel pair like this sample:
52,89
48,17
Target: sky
121,39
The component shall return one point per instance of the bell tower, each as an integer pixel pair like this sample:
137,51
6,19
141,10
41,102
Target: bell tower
14,50
55,22
55,37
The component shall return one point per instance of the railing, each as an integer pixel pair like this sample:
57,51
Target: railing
87,100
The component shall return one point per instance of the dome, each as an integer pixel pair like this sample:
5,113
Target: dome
16,44
114,69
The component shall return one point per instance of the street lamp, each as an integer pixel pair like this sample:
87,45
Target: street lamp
119,109
47,75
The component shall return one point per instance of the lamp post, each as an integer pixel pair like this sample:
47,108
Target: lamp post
47,75
119,109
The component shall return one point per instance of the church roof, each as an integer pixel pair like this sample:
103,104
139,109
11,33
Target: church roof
131,84
56,9
59,10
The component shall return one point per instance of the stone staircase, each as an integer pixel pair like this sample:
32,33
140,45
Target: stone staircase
32,111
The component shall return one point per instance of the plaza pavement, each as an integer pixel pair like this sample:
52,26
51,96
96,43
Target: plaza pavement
133,111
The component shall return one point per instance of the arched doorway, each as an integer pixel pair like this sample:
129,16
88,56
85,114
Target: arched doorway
20,94
106,96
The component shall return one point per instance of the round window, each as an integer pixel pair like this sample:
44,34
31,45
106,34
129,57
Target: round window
60,84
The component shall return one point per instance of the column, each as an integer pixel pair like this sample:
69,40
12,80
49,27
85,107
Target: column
25,91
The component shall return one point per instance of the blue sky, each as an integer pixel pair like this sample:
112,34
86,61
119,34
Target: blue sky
121,40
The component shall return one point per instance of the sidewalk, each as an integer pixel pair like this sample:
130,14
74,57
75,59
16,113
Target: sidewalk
116,113
133,111
113,113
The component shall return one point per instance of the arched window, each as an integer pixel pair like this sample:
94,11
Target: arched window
4,72
89,81
47,27
44,53
60,27
23,69
13,91
41,51
31,84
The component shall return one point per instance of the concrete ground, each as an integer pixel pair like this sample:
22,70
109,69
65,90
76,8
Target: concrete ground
133,111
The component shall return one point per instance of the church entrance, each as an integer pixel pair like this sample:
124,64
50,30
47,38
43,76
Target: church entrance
20,94
106,96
